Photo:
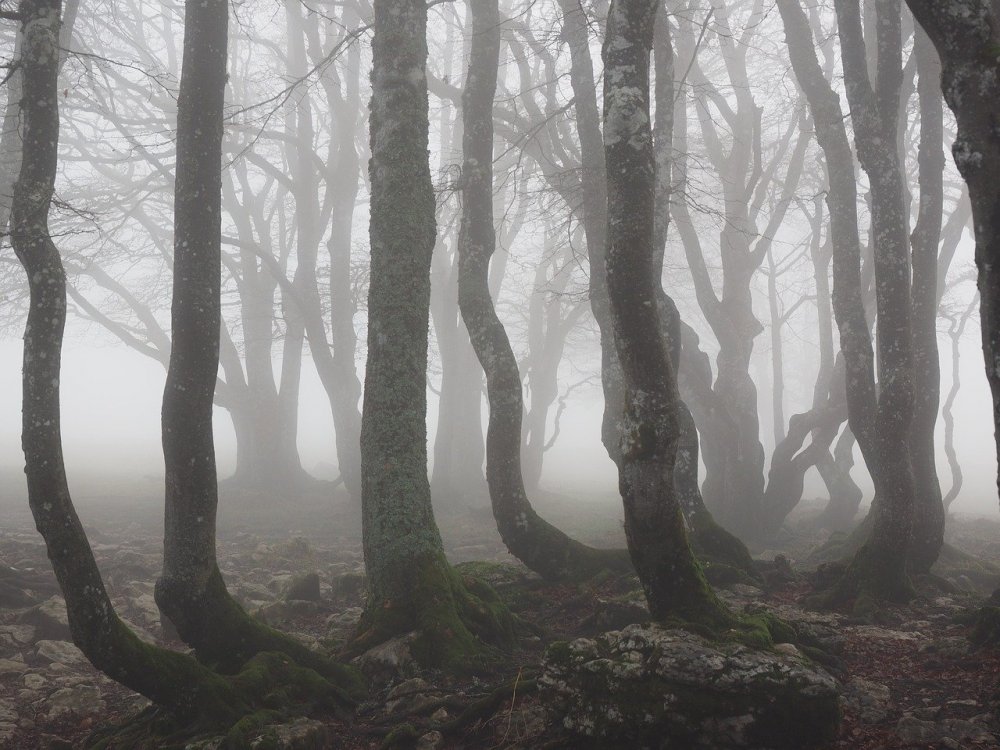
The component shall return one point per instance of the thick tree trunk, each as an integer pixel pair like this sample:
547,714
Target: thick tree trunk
411,587
967,35
654,525
174,681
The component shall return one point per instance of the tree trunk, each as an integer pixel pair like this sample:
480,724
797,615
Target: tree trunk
654,525
880,422
190,590
967,36
927,535
538,544
411,587
174,681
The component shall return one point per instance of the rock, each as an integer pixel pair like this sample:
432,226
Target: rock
12,666
147,609
647,683
61,652
14,636
410,697
49,619
348,585
7,733
303,587
300,734
430,741
280,612
613,614
867,700
788,649
34,681
344,620
82,700
388,660
912,730
7,713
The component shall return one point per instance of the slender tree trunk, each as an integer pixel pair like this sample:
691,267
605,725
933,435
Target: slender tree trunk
880,422
654,525
411,587
190,590
172,680
538,544
955,331
927,535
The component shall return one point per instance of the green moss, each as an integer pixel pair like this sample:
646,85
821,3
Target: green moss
401,737
458,620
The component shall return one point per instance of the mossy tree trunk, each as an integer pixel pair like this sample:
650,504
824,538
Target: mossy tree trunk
174,681
190,590
534,541
654,525
411,587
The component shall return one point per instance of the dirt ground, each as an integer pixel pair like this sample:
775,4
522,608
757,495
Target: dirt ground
910,677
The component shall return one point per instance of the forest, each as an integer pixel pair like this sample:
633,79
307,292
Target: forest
443,374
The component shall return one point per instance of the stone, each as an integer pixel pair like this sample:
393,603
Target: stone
649,683
14,636
303,587
348,585
82,700
388,660
7,713
12,666
8,732
300,734
410,697
867,700
912,730
61,652
49,619
430,741
34,681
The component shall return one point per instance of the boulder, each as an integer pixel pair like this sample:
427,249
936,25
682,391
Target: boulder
82,700
303,587
388,660
61,652
867,700
49,619
662,687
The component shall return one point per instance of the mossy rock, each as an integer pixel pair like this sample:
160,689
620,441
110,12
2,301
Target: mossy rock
655,686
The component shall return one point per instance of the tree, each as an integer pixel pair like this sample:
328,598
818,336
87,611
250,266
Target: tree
966,34
177,682
190,590
411,587
654,525
534,541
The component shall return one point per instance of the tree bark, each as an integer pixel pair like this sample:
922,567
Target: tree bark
411,587
174,681
880,422
966,34
654,525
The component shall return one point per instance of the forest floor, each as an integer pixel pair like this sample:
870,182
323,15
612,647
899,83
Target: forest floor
910,677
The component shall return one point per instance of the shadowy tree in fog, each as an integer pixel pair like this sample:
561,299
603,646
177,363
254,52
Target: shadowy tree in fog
411,586
534,541
654,524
